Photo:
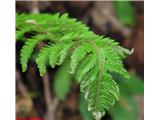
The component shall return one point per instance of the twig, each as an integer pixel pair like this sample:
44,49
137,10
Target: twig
21,87
55,103
34,7
25,101
48,98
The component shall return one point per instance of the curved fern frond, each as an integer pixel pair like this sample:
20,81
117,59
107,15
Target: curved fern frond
87,65
54,54
28,48
78,54
63,53
92,57
42,59
104,97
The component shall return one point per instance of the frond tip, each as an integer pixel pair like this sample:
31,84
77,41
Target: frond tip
92,57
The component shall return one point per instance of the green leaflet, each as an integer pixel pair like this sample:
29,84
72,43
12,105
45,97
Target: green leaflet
78,54
113,61
62,81
135,85
116,67
92,57
42,59
125,12
132,86
54,54
82,106
87,80
63,53
27,49
87,64
125,109
103,97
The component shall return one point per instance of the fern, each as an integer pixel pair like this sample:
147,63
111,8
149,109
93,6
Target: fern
93,57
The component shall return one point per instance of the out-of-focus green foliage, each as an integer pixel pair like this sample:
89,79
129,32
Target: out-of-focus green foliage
134,85
125,12
126,108
62,81
82,106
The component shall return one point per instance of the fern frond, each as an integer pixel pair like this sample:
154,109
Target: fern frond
54,54
58,54
78,54
117,68
28,48
63,53
113,61
87,65
104,97
42,59
92,57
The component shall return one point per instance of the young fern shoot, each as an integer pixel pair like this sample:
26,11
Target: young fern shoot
92,57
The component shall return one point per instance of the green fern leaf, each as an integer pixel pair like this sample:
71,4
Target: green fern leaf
88,79
78,54
54,54
63,53
42,59
87,64
27,49
92,57
103,97
62,81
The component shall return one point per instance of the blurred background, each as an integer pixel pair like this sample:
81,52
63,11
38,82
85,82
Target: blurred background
119,20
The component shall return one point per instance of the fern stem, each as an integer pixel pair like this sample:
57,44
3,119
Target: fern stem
21,87
100,67
99,75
